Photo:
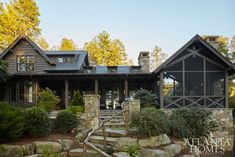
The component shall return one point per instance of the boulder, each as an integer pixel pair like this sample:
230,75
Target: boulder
11,151
182,144
121,154
154,153
186,155
66,143
123,142
172,149
81,136
47,147
28,149
155,141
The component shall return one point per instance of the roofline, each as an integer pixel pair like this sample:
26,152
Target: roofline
205,43
35,46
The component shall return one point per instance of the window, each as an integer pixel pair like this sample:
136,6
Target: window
29,93
25,63
64,60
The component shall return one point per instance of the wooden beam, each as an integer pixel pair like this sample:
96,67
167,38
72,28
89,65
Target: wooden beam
66,92
183,83
226,90
96,86
126,88
204,80
161,90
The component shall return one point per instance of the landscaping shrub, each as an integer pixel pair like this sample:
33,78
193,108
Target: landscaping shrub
65,121
109,150
150,121
192,122
47,100
12,123
77,99
133,150
38,122
76,109
147,99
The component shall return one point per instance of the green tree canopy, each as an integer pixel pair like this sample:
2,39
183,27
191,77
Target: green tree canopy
3,71
67,44
105,51
16,18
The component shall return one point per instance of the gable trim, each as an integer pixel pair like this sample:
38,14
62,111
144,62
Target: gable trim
184,47
35,46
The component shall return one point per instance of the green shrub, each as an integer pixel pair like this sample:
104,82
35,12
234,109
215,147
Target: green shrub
76,109
65,121
133,150
192,122
38,122
150,121
47,100
77,99
109,150
12,123
147,99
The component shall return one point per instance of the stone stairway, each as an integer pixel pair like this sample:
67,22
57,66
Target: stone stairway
113,133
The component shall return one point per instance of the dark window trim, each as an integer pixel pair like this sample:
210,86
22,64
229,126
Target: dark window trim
25,63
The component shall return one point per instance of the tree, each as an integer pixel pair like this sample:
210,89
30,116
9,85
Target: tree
3,71
43,43
223,45
17,18
157,57
232,49
105,51
67,44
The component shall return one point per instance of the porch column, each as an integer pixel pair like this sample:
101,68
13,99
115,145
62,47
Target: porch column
226,90
161,90
66,92
126,88
96,86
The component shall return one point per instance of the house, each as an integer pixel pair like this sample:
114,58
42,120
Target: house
196,75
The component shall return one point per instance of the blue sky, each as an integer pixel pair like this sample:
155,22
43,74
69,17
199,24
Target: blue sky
139,24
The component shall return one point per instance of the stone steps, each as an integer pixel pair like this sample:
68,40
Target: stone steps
111,132
100,140
79,153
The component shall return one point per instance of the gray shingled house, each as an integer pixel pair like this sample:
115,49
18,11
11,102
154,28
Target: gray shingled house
196,75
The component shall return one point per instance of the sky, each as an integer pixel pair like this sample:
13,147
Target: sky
139,24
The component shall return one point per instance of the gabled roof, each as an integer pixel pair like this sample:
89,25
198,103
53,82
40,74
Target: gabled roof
203,42
35,46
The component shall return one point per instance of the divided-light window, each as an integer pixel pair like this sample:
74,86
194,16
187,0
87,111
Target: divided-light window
25,63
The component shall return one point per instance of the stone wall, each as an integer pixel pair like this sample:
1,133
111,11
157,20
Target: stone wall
37,149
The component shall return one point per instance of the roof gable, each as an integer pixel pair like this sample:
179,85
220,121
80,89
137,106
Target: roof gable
35,46
195,39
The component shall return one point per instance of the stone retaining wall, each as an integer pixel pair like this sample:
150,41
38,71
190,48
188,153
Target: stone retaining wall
37,149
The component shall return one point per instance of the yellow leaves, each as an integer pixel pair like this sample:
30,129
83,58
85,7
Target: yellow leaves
18,17
104,51
67,44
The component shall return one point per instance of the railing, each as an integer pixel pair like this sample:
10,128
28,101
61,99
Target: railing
102,126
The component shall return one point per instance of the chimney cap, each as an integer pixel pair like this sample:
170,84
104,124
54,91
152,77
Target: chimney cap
143,53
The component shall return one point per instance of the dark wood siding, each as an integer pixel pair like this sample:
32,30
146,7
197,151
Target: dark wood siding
24,48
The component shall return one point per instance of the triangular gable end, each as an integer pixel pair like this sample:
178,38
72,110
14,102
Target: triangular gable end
208,51
35,46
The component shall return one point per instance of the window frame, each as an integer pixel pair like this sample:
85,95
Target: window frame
25,56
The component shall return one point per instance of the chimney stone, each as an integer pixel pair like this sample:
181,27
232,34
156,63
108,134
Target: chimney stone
143,61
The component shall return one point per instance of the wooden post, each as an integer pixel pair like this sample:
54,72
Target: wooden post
161,90
66,92
183,83
36,91
126,88
204,80
104,135
96,86
226,90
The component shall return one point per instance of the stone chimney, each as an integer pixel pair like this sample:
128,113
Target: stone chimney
143,61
